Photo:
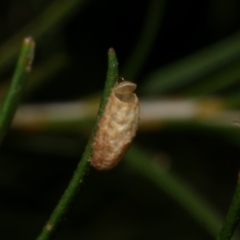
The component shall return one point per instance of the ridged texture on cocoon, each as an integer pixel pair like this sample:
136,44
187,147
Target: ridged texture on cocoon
117,127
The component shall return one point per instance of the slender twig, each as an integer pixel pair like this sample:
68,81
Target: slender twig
233,216
145,41
17,86
74,185
177,189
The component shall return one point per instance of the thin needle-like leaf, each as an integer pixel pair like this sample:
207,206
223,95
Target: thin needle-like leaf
18,83
233,216
75,183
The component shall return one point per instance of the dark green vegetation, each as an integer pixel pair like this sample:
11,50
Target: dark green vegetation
178,179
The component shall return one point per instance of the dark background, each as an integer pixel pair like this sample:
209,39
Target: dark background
35,167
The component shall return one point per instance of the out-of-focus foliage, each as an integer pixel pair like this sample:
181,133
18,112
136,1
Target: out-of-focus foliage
181,50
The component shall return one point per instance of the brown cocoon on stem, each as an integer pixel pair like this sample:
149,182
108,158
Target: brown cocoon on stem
117,127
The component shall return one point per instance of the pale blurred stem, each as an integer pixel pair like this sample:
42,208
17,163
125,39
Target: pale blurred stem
68,196
17,86
145,41
233,216
177,189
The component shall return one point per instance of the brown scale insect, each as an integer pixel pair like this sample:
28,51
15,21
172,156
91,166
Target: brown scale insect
117,127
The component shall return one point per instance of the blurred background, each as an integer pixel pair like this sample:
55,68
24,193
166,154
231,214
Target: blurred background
185,59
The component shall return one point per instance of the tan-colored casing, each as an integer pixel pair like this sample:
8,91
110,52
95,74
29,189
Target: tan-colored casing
117,127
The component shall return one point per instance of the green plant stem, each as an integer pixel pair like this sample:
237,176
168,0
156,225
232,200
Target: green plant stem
194,204
68,196
52,17
142,48
233,216
18,83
